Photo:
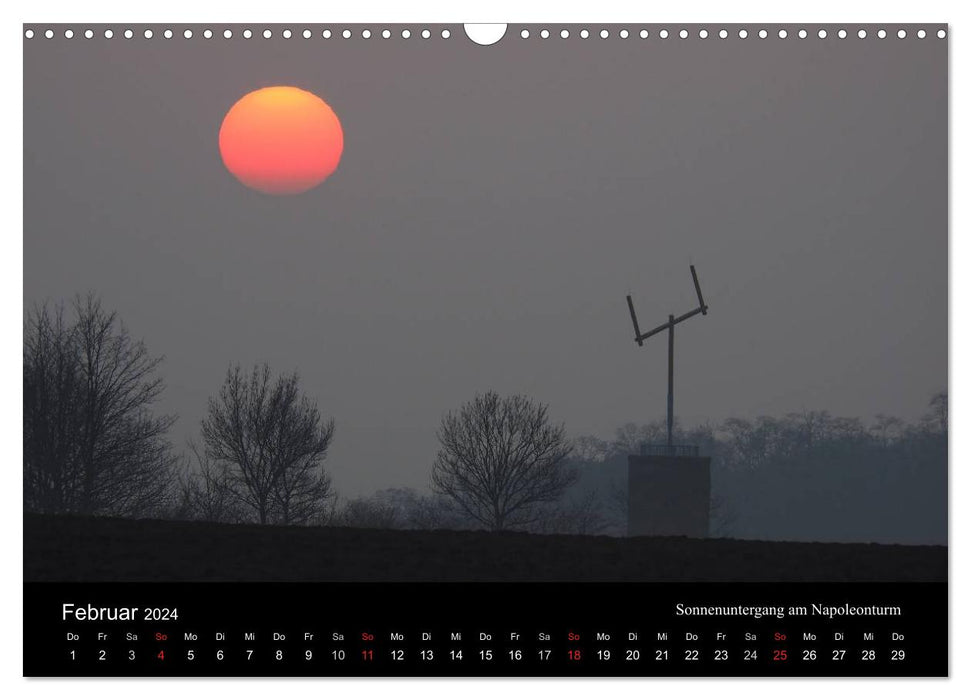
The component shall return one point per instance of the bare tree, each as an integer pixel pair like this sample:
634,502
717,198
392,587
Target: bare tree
91,443
499,458
751,445
274,441
206,491
52,414
302,489
588,448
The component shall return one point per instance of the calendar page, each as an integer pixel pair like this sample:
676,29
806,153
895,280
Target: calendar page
485,350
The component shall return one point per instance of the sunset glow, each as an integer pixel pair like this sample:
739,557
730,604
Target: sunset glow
281,140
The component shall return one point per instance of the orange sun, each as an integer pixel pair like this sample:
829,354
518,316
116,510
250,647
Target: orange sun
281,140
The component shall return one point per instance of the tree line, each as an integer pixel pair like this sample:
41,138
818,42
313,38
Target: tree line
94,445
806,475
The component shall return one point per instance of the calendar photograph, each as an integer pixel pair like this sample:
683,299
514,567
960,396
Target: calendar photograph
445,305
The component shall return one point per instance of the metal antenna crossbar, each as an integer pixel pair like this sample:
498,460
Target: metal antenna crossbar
639,338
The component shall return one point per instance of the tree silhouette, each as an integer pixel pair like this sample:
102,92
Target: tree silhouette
205,490
91,444
273,441
52,414
500,458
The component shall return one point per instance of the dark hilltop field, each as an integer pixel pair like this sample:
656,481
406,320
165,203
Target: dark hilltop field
73,548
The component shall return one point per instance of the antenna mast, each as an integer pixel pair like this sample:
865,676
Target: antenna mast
639,338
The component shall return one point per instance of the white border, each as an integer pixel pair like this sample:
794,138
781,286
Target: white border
708,11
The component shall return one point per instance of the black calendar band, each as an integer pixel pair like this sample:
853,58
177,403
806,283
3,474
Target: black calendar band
485,629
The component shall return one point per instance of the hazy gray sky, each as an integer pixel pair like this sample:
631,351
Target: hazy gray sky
492,208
